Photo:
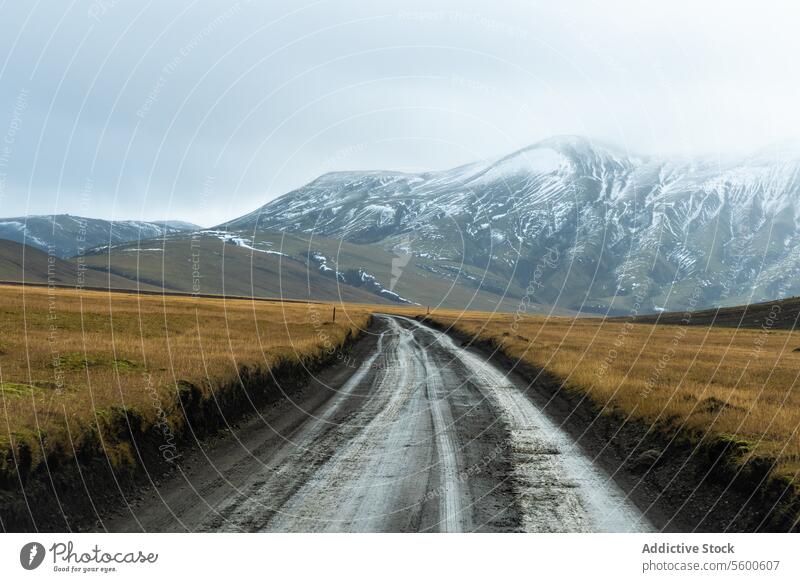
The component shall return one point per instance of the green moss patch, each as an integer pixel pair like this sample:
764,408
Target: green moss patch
78,361
14,389
737,446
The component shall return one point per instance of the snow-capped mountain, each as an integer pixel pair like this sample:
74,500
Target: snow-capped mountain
570,222
66,236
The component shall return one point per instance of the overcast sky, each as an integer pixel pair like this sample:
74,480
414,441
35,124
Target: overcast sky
204,110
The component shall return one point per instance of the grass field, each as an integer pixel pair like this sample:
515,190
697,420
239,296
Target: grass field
714,383
69,360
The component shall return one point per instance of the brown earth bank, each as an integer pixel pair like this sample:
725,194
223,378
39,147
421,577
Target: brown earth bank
82,373
681,481
417,435
778,314
71,490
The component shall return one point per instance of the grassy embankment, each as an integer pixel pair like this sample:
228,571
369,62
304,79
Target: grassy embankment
717,385
75,367
110,355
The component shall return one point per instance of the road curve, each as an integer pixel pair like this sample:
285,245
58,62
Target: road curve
422,435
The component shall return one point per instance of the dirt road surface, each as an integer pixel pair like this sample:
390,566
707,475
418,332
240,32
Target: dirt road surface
414,434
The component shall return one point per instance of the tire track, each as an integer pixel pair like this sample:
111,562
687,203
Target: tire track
315,440
423,436
354,491
558,487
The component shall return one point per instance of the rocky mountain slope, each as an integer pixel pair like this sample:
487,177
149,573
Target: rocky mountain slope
69,235
565,222
572,223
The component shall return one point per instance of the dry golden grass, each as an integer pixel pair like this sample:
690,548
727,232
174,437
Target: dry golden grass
68,357
108,351
739,384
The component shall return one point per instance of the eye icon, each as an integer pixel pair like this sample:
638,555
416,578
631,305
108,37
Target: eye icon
31,555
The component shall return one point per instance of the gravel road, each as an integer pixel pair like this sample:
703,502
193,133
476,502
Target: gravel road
414,434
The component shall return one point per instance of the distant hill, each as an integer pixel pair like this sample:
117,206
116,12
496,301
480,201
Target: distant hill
179,225
223,263
779,314
204,264
21,263
302,267
69,235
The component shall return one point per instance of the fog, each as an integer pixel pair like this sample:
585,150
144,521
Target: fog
203,111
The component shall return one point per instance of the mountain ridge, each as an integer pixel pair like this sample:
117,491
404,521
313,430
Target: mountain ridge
618,221
68,235
563,223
